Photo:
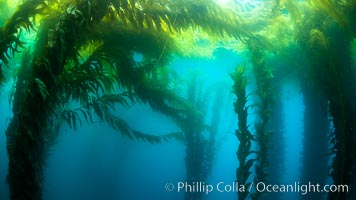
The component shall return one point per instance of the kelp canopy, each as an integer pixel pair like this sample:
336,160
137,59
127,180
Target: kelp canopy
84,51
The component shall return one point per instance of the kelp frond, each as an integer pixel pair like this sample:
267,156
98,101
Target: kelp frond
10,34
333,9
103,108
172,16
317,40
239,87
82,81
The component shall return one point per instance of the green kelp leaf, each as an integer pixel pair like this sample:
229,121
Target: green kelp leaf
42,87
121,125
87,115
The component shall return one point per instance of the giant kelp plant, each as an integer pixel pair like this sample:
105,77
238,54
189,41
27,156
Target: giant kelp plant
327,48
195,141
243,134
254,148
263,75
213,129
200,135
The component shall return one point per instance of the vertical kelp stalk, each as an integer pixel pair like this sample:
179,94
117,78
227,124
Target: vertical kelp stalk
194,157
35,102
336,76
200,139
343,71
194,139
213,131
322,79
277,148
276,154
341,167
263,76
327,45
342,109
316,140
244,136
315,154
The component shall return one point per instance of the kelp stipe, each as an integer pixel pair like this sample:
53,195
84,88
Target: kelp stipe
263,75
25,134
200,148
213,128
244,170
329,69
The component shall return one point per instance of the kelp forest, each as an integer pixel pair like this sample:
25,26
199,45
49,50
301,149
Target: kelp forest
177,99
